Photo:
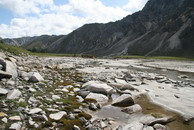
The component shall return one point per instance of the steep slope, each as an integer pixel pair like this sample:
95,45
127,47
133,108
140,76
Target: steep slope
163,27
37,43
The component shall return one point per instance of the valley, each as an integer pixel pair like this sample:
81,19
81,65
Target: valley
92,93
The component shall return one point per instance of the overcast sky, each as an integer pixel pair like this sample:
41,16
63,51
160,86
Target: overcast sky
36,17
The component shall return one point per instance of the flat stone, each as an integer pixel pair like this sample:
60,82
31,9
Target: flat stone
132,109
124,100
2,114
35,111
120,81
14,94
134,126
55,97
58,115
15,118
100,98
32,89
164,120
16,126
98,87
3,91
65,90
146,119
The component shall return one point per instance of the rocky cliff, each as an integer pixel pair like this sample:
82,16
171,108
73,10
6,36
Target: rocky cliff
163,27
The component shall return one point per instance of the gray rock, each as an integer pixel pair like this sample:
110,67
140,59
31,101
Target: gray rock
182,76
4,120
132,109
146,119
16,126
93,107
75,127
98,87
160,127
55,97
83,93
148,128
9,67
11,82
3,91
164,120
134,126
35,111
120,81
4,74
32,100
100,98
127,87
36,77
76,89
14,94
58,115
32,89
79,98
123,100
102,124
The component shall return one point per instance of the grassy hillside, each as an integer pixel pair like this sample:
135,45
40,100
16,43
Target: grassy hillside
13,49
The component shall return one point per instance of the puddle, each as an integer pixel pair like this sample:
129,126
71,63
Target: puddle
154,109
148,107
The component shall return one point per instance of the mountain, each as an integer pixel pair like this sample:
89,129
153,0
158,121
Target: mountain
36,43
162,27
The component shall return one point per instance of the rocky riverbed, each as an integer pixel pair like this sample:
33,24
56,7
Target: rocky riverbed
96,94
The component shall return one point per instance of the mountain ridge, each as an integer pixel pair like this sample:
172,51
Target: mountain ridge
162,27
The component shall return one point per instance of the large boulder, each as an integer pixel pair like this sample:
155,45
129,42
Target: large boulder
9,69
100,98
132,109
124,100
98,87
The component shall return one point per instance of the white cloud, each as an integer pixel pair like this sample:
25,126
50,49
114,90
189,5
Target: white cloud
135,5
49,18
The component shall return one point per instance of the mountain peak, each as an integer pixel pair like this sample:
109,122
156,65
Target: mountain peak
163,27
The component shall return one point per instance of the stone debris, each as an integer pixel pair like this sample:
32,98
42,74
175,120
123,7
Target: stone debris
55,93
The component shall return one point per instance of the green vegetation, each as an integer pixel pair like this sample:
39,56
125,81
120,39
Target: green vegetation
13,49
154,57
22,104
20,51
